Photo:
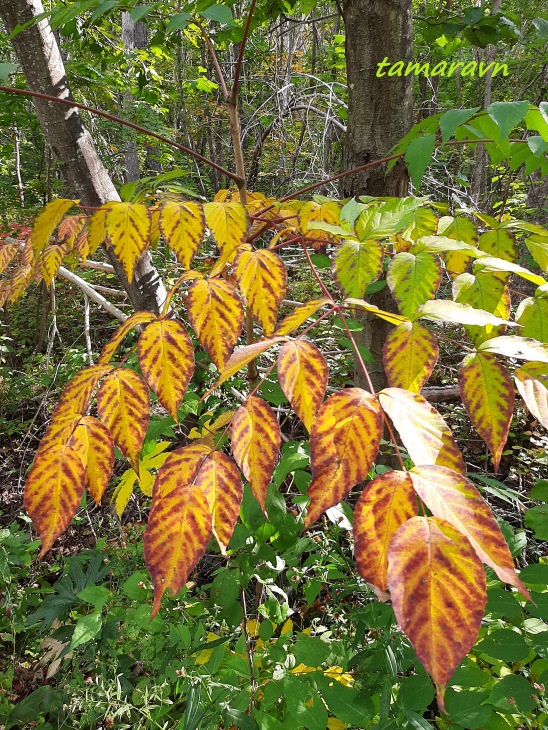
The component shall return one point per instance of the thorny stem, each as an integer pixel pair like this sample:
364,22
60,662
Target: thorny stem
124,122
363,366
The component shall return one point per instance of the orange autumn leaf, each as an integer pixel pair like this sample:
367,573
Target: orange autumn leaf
166,358
344,441
384,506
438,590
93,442
123,405
53,491
409,355
255,444
303,374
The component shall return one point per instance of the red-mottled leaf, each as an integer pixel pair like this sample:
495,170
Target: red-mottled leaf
221,482
409,355
166,358
532,384
53,491
255,444
183,226
454,498
303,374
7,253
50,260
488,396
344,441
123,404
383,507
438,590
93,442
244,355
179,525
216,314
262,277
424,433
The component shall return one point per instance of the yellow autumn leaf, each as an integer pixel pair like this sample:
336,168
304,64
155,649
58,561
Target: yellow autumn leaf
128,233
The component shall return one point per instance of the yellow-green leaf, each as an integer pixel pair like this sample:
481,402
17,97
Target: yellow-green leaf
409,355
47,221
356,264
221,482
244,355
445,310
97,228
438,590
387,316
498,243
134,321
532,315
299,316
538,248
255,444
228,223
123,404
128,233
532,384
454,498
488,396
53,491
262,277
383,507
216,314
491,263
424,433
487,291
344,441
413,280
522,348
183,226
303,374
166,358
310,212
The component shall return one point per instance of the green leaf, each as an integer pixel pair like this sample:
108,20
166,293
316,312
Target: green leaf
512,693
540,490
135,587
537,145
311,650
419,155
103,8
507,114
177,22
304,704
536,519
85,630
346,703
219,13
139,12
240,719
453,119
504,644
96,595
6,69
502,604
466,709
535,574
416,692
357,264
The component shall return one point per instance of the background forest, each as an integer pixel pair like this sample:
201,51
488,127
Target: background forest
285,631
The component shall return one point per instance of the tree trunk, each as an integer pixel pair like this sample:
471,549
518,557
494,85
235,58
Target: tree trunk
380,113
64,131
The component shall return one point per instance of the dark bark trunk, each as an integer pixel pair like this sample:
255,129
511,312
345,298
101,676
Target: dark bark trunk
64,131
380,113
